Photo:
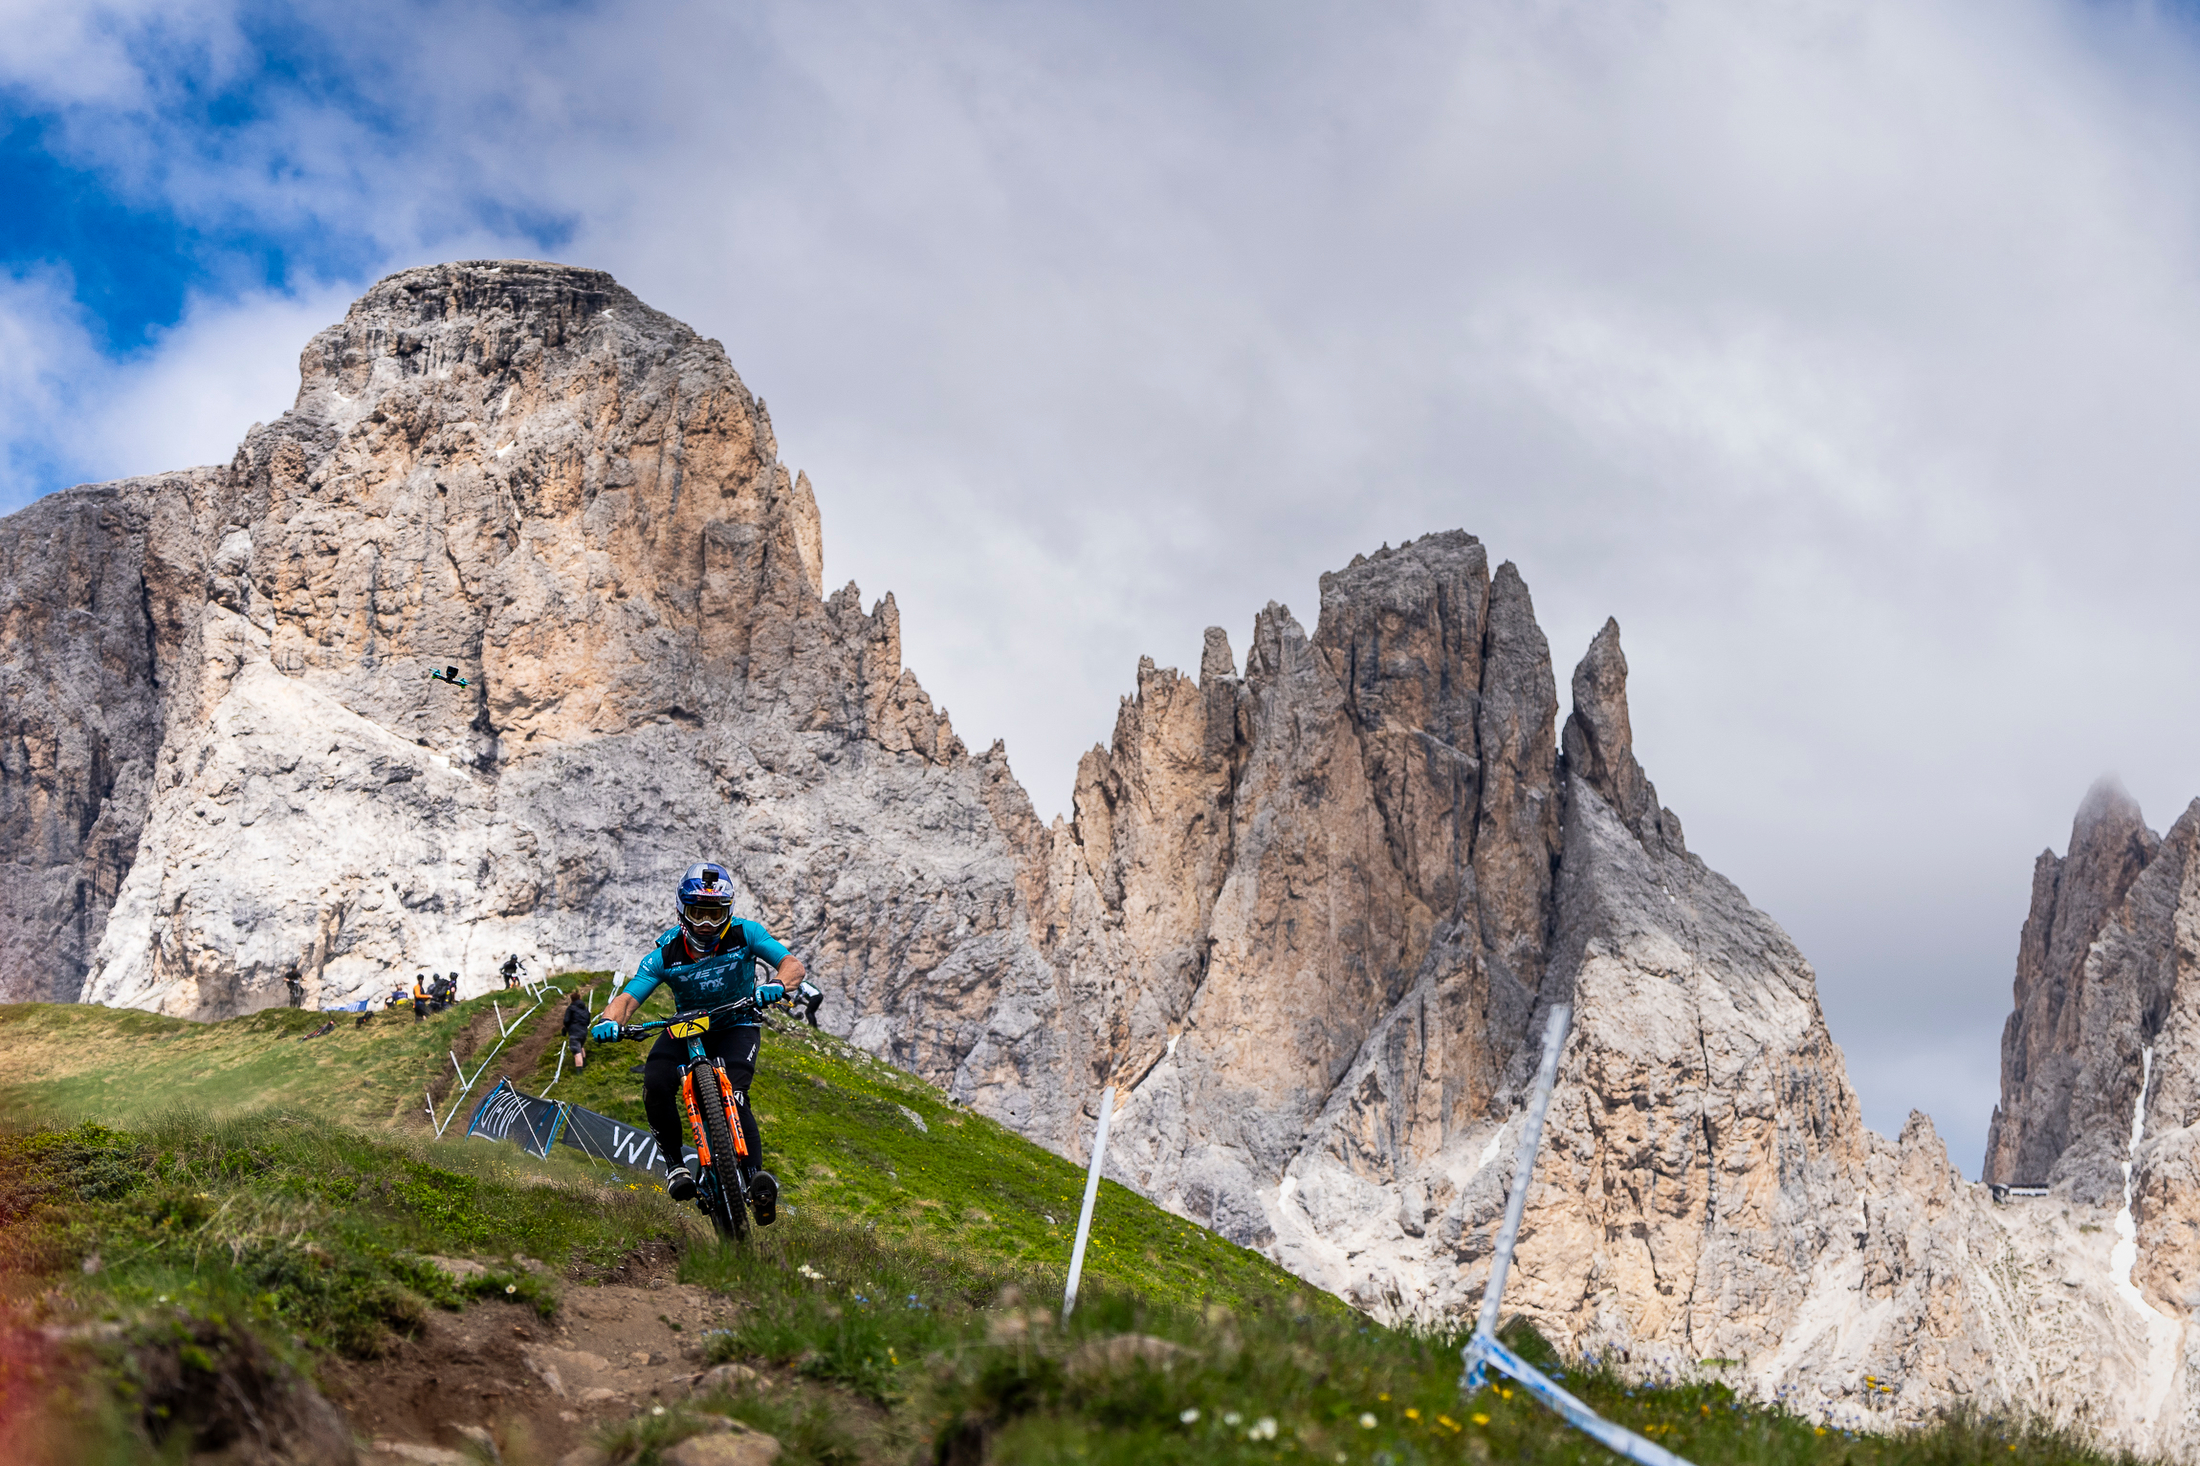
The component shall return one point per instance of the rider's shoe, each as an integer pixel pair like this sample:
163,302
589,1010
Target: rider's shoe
680,1184
764,1197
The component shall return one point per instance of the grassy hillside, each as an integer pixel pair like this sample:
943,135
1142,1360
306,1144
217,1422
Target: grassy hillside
119,1066
902,1311
864,1144
857,1141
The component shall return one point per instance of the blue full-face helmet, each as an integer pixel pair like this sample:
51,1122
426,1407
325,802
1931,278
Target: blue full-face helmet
706,903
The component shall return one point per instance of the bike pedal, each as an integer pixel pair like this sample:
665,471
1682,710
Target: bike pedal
764,1197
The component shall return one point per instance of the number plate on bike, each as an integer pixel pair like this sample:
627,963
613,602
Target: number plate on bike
689,1029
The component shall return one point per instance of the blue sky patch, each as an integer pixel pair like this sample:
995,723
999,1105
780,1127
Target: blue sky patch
132,266
228,183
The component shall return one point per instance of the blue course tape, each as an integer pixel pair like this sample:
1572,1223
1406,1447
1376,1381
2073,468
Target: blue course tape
1484,1351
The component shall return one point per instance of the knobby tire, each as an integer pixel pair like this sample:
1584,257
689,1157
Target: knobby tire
733,1195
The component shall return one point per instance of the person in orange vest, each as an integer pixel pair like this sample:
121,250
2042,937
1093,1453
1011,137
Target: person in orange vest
420,998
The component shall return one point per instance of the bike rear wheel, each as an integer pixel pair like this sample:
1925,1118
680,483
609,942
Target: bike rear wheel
732,1213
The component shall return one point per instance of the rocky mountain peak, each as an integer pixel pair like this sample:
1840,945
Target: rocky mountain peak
513,468
2110,845
1215,657
1600,741
2094,972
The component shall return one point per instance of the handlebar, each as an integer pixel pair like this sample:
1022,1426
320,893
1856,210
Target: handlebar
655,1025
805,996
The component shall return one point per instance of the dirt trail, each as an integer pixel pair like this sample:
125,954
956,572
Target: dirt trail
535,1035
538,1388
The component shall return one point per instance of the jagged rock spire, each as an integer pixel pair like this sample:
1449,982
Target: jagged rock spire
2070,1048
1600,742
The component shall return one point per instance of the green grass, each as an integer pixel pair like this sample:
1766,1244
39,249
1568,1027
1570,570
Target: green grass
71,1061
975,1367
310,1227
906,1300
838,1135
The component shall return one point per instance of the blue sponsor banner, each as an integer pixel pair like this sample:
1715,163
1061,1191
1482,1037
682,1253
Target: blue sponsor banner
606,1139
535,1124
506,1114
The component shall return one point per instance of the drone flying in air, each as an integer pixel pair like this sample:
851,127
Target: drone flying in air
448,674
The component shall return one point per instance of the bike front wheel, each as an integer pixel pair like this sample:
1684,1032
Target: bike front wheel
731,1213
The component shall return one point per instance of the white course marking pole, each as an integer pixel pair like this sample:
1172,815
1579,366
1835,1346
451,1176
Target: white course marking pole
1531,1139
1092,1192
485,1063
1484,1351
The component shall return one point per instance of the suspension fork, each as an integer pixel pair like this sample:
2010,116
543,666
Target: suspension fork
697,1059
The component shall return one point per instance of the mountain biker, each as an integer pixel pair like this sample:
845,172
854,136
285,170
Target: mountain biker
709,959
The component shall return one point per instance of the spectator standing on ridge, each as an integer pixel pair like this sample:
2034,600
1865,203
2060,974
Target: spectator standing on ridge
576,1028
420,997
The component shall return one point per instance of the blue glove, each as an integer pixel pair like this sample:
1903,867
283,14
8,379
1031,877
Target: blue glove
605,1032
768,993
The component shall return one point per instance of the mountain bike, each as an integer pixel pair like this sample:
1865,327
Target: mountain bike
721,1189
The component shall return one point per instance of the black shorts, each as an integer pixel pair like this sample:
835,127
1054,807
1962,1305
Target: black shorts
737,1047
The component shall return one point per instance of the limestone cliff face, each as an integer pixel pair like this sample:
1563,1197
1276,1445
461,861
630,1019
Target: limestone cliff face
1265,869
1305,912
2070,1050
84,614
522,470
2101,1077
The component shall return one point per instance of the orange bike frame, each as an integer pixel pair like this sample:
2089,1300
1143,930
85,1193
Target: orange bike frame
695,1116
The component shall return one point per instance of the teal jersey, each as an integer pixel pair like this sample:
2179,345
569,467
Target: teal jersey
726,976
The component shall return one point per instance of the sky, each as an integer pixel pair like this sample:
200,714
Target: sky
1848,353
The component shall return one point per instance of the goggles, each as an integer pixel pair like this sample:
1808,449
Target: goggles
705,917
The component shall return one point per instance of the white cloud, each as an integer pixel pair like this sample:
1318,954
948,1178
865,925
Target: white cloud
72,414
226,365
95,51
44,349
